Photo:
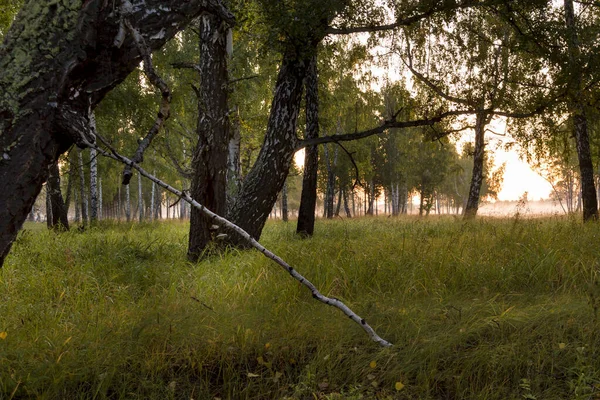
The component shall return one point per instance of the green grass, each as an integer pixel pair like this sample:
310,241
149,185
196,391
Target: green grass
490,309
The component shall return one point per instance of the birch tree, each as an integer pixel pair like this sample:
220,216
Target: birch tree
56,61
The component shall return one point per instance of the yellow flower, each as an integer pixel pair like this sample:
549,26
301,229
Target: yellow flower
373,364
3,335
399,386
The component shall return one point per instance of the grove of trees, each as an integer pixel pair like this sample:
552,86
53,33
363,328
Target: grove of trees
241,86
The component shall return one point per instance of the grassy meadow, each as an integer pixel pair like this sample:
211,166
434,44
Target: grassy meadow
488,309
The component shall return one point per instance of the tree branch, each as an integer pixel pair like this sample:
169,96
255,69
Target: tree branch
438,7
165,106
429,83
216,219
380,129
357,181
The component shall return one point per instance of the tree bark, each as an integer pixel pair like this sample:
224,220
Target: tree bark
57,217
265,180
234,165
578,115
308,198
478,161
284,203
209,183
346,208
93,185
82,194
127,204
57,60
330,191
140,200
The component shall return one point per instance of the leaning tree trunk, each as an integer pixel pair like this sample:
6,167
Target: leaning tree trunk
577,109
265,180
308,198
209,182
478,161
57,60
58,213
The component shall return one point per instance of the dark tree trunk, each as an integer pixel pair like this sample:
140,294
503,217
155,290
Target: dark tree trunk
57,60
338,205
346,208
478,161
58,219
209,183
265,180
371,198
284,203
578,115
330,191
308,198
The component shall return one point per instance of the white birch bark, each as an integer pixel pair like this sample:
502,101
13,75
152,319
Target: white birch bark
127,204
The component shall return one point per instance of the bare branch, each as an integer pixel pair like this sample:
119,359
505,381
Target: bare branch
380,129
216,219
165,106
186,65
357,181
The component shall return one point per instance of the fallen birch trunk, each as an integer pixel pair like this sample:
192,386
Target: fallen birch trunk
218,220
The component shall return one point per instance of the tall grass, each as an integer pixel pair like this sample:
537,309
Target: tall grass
488,309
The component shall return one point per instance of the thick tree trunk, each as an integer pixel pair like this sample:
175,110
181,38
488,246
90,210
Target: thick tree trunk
57,60
265,180
308,198
58,219
577,109
209,183
478,161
